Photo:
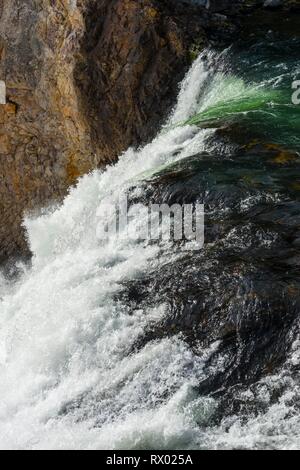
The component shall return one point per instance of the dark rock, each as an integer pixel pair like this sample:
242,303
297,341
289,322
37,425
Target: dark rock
243,288
218,5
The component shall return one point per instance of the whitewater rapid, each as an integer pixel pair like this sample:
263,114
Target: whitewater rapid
69,378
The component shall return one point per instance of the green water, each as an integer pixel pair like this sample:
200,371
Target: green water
253,89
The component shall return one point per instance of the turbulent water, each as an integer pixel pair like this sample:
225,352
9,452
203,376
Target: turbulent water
84,363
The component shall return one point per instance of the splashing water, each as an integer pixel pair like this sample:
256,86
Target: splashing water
234,97
259,98
70,376
67,379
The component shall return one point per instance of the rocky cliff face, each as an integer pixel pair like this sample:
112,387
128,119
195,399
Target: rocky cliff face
43,141
132,55
86,79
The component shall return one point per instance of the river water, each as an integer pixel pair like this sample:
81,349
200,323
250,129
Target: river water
126,344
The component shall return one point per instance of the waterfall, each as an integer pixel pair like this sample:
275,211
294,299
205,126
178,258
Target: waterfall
74,370
67,380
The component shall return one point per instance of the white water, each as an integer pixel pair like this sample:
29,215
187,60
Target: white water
67,380
68,377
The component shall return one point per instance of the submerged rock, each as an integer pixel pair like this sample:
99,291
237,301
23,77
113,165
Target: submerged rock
242,289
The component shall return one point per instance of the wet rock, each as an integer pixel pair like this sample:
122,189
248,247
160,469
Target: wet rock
243,289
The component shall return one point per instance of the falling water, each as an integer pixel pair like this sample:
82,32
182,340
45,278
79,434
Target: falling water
71,377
